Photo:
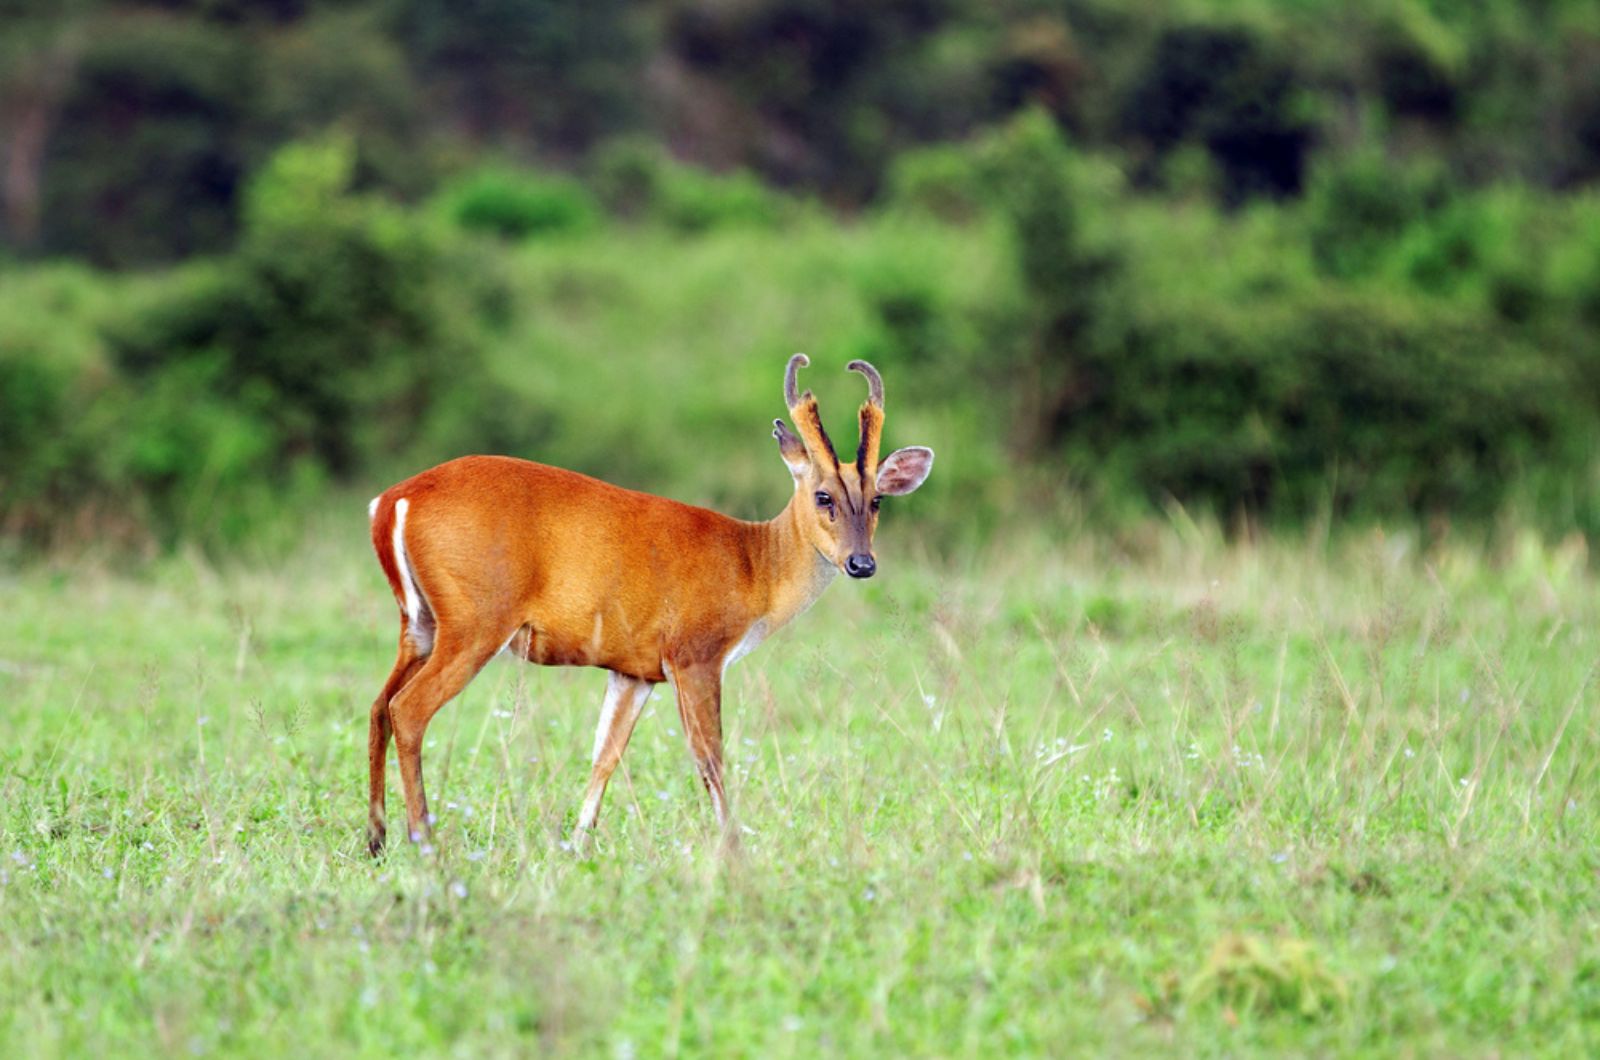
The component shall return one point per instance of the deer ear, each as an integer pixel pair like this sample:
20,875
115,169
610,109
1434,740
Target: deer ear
904,470
791,448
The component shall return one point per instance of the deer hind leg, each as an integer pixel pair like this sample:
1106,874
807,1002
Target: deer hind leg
454,662
700,709
625,698
378,732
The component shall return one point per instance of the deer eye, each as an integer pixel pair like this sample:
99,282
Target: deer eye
875,502
824,501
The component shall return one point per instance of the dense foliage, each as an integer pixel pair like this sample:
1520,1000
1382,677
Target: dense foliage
1278,263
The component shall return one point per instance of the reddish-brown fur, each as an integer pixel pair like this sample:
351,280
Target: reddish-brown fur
563,569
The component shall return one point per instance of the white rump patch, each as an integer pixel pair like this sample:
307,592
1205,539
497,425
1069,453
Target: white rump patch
419,619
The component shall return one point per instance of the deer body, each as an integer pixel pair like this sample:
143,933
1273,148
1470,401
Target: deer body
489,553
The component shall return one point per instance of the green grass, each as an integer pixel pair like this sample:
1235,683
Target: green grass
1143,795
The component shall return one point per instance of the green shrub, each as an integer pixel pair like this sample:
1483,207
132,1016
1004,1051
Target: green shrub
518,203
1359,208
328,341
637,180
1363,402
946,182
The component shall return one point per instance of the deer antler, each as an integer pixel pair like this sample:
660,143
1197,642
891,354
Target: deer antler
807,417
871,421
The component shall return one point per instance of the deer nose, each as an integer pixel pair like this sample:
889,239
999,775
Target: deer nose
860,565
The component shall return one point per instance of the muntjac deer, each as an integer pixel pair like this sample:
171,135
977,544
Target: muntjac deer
488,554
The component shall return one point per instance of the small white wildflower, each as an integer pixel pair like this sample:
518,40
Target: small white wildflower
1105,737
458,888
202,719
1410,753
369,997
477,855
108,874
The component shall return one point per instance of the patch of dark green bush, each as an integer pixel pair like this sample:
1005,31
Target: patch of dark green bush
519,203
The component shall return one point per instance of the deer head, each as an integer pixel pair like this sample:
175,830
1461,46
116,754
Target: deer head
837,503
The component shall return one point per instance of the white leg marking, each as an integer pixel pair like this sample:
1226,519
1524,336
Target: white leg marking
747,644
615,685
590,814
421,631
622,694
716,804
618,688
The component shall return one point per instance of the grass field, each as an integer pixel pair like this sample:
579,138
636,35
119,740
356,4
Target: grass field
1152,794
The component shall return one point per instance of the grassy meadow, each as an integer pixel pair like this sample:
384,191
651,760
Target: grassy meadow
1088,793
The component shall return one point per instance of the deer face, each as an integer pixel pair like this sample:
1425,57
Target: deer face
837,503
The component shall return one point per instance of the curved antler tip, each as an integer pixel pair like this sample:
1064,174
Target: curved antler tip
874,380
791,389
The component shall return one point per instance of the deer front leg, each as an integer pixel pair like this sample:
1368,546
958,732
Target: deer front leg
700,709
625,698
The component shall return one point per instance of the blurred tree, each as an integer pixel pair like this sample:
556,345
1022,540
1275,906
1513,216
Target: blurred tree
1223,87
550,73
831,83
38,55
152,139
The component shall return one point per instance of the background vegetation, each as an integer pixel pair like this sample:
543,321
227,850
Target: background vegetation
1279,262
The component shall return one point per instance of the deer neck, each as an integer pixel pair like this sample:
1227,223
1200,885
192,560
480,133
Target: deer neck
797,573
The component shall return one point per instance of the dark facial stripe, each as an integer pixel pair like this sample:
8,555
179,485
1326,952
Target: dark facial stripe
861,447
815,415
